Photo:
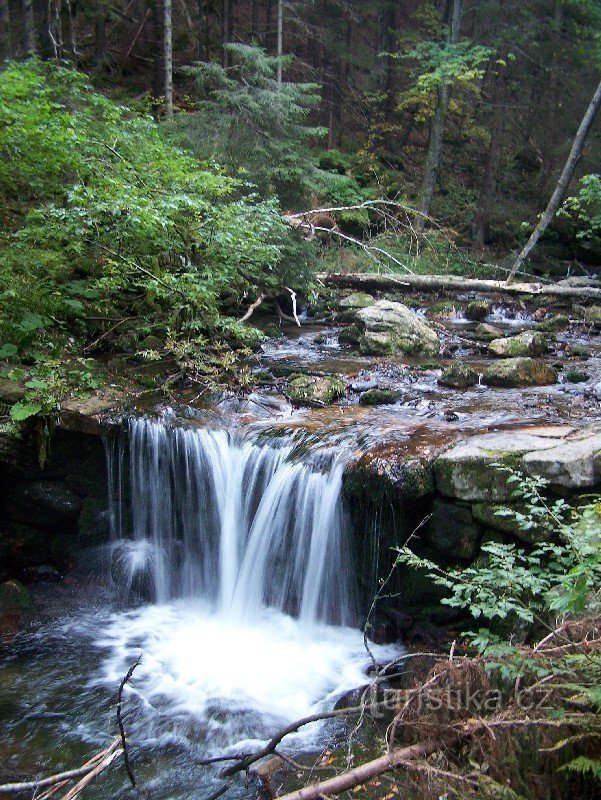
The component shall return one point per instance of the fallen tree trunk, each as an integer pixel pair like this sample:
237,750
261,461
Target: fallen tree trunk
376,282
364,772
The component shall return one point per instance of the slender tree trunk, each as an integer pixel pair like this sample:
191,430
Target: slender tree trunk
158,56
225,33
254,20
280,41
493,158
68,9
29,38
434,156
168,56
562,184
5,43
101,58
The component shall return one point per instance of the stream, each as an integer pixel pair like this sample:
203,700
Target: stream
230,570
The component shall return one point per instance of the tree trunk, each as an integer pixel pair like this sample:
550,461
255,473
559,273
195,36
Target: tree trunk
158,56
168,56
225,32
101,58
5,43
493,157
254,20
434,156
29,39
373,281
562,184
68,9
280,41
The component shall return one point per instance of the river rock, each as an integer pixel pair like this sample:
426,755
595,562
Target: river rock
528,343
477,310
559,322
458,376
378,397
350,335
486,331
452,531
513,372
393,329
357,300
84,415
573,464
310,390
467,471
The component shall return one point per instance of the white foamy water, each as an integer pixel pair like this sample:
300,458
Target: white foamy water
242,545
236,681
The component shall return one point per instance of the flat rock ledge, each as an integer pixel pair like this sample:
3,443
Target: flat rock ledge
569,458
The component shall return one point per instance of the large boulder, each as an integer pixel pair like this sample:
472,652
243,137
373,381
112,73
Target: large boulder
393,329
468,471
528,343
573,464
513,372
487,514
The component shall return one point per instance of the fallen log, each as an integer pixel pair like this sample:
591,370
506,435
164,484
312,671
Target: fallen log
377,282
364,772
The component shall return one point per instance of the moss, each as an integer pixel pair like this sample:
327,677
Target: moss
458,376
350,335
559,322
579,350
577,376
378,397
311,390
477,309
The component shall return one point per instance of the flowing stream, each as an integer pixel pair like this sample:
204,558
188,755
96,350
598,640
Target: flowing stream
231,574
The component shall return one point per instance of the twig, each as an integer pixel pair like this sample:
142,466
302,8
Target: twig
128,769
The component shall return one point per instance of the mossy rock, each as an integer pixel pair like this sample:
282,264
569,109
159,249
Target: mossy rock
579,350
378,397
559,322
577,376
393,329
458,376
528,343
357,300
487,514
518,372
488,332
309,390
350,335
477,310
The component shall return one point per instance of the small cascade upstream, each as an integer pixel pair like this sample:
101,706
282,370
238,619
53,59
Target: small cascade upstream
221,518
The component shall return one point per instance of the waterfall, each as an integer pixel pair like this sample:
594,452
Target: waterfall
241,523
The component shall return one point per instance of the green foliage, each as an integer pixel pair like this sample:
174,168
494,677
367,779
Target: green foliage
111,222
513,585
585,207
257,128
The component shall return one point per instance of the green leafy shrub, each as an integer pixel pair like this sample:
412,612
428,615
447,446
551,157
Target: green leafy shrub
109,223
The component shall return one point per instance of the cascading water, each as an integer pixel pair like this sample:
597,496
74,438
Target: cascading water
232,552
218,517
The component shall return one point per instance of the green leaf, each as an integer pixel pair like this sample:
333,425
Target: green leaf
21,411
